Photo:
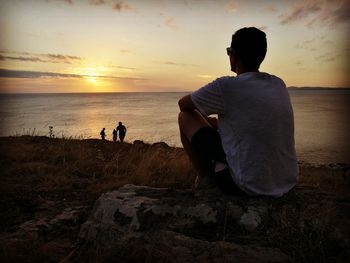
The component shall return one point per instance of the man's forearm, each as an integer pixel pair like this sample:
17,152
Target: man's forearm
186,104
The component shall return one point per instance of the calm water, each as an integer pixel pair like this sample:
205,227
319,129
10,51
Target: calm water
321,118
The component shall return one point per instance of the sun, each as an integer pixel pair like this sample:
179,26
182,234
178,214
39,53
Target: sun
93,75
95,78
92,79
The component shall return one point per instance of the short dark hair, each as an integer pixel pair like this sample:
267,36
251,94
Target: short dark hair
250,45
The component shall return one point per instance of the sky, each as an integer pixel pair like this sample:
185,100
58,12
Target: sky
54,46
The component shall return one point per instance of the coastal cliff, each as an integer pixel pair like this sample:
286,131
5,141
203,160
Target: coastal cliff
87,200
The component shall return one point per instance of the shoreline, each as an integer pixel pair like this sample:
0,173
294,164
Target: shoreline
313,88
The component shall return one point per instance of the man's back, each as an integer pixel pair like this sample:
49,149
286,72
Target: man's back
257,130
255,123
121,128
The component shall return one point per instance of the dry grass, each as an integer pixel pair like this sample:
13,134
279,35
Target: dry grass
42,176
65,166
37,170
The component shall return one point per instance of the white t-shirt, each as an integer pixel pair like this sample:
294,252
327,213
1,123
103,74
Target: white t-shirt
256,125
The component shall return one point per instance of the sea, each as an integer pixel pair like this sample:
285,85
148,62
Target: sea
321,117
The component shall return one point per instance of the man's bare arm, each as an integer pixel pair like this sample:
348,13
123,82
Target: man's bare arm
186,104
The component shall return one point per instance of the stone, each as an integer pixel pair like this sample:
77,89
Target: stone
250,220
45,228
169,225
33,229
69,215
138,142
234,211
161,144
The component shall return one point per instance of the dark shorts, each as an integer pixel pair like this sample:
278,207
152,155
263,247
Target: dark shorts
206,143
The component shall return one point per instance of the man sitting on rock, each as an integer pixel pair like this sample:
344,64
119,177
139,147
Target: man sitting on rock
250,148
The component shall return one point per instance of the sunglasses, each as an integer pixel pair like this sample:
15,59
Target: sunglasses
229,51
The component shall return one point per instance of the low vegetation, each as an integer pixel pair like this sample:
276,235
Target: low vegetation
41,176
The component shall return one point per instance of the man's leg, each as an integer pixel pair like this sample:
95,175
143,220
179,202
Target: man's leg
189,123
210,149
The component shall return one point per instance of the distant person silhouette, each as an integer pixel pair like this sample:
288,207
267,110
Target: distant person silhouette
122,131
103,134
115,135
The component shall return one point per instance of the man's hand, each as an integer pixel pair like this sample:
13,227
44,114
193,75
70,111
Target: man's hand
213,121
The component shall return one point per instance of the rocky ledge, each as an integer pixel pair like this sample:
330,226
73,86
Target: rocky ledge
145,224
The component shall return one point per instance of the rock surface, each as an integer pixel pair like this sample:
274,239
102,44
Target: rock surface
46,228
144,224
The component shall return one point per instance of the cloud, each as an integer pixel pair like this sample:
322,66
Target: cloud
123,68
59,57
307,44
341,14
20,58
318,13
32,57
310,44
271,9
301,10
231,6
325,57
8,73
97,2
66,1
74,57
121,6
171,63
169,21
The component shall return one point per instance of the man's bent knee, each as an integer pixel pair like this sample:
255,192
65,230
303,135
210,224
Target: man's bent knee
190,122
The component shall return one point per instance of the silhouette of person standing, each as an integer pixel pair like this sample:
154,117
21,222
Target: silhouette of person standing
122,131
103,134
115,135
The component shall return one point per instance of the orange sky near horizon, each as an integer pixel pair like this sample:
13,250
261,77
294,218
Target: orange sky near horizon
56,46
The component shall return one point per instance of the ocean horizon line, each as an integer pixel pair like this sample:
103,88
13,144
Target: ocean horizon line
136,92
